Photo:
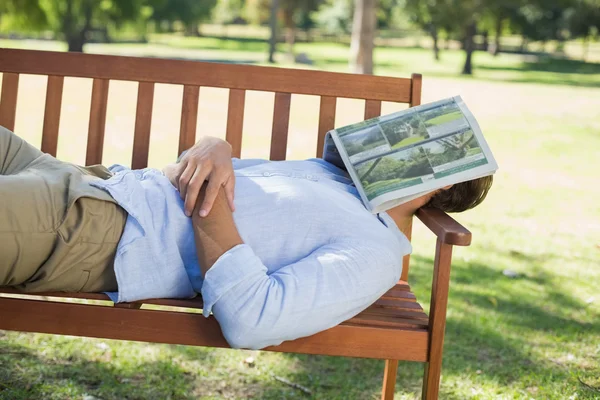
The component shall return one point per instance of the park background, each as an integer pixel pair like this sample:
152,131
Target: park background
524,306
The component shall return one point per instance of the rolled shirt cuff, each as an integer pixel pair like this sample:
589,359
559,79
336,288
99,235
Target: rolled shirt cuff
233,267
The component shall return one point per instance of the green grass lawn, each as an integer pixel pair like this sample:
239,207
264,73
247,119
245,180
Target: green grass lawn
534,336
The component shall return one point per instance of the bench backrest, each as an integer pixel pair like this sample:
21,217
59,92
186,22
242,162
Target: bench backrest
192,75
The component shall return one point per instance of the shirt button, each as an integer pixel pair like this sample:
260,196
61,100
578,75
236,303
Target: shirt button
266,174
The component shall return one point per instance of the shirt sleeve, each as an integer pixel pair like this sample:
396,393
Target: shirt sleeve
334,283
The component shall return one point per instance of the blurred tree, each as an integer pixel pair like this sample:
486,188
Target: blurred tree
335,16
363,36
228,11
289,13
189,12
72,20
432,16
583,21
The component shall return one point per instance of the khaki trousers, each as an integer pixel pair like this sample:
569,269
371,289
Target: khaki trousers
57,232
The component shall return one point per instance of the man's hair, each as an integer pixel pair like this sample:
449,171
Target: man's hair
462,196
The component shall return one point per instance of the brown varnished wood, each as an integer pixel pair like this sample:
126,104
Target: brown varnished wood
444,227
437,319
407,230
143,121
400,304
194,329
8,100
54,93
189,118
281,122
372,109
95,144
415,89
326,121
231,76
235,120
389,379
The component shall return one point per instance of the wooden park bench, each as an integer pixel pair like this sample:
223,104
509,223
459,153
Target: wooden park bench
393,328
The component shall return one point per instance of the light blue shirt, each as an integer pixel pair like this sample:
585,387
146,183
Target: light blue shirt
312,257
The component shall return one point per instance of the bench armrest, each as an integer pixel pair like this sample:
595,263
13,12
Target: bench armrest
444,227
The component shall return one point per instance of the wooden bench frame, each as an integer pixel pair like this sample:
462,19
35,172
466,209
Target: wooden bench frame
394,328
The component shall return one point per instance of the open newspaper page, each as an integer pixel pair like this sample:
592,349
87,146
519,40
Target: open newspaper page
398,157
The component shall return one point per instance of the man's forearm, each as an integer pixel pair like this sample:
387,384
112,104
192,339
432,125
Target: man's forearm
216,233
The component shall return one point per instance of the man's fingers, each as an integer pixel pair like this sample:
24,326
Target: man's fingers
193,190
184,179
212,190
230,191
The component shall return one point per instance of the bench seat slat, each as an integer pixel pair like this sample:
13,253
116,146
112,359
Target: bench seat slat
99,104
373,340
8,100
54,94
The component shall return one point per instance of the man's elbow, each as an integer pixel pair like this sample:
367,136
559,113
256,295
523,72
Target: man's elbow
240,336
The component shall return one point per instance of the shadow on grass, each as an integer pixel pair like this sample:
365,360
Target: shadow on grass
487,342
25,374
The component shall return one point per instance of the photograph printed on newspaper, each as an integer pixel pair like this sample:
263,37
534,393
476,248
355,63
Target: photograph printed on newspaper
397,157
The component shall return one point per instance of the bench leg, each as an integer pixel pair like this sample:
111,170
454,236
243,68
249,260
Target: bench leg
431,380
389,379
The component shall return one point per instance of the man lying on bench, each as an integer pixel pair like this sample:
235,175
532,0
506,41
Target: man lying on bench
300,254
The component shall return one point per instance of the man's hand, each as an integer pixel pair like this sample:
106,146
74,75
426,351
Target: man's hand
209,159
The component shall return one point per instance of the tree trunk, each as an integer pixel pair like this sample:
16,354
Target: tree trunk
486,41
495,47
469,47
436,49
290,32
76,42
363,37
273,26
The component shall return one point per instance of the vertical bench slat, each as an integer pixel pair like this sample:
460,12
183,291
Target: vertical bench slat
95,143
415,89
281,123
235,120
189,117
372,109
8,100
143,121
54,93
326,120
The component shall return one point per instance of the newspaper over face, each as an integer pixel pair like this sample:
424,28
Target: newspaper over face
395,158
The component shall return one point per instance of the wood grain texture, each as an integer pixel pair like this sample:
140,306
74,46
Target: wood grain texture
437,319
235,120
54,93
389,379
415,89
189,118
8,100
95,143
372,109
233,76
143,121
281,123
445,227
326,121
194,329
